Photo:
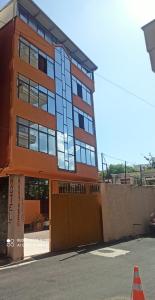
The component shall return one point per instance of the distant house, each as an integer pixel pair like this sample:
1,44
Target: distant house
148,178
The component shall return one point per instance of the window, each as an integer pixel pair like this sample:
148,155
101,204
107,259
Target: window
36,189
35,25
23,136
35,94
88,73
36,58
64,111
42,63
35,137
85,153
23,90
81,90
24,50
41,31
83,120
51,103
23,15
50,67
42,98
42,142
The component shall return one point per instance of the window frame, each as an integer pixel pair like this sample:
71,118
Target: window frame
26,81
40,54
85,149
39,129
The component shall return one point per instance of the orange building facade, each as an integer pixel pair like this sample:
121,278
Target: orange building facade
47,124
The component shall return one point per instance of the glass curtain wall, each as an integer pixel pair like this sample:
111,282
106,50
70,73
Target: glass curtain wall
64,111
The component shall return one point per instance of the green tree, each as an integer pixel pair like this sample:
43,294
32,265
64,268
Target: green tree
151,160
120,168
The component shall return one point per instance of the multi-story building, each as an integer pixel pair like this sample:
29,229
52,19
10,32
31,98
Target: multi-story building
149,33
47,124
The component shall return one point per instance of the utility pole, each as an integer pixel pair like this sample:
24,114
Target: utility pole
104,163
141,175
125,171
102,160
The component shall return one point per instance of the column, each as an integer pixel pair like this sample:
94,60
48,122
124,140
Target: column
15,245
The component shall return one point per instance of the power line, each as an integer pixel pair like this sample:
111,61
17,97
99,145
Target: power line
119,159
125,90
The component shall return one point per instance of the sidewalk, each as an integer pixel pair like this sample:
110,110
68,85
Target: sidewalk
36,243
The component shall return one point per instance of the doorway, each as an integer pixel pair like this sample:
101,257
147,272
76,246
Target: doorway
36,216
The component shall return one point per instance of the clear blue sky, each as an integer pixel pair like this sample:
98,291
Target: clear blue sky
109,32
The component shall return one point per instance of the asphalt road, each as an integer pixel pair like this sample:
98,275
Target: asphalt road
82,276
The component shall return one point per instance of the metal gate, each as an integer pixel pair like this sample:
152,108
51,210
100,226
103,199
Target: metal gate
76,220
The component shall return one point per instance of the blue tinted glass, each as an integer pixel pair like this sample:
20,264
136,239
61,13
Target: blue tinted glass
83,155
60,142
71,163
59,104
50,69
58,86
76,119
60,125
43,142
61,160
33,139
78,156
51,105
51,145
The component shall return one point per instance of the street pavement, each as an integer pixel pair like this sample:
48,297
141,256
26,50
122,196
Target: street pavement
104,274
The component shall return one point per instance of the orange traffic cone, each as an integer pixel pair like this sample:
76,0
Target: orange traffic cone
137,291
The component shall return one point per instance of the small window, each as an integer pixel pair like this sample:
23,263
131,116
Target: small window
43,142
34,57
48,37
24,52
74,87
60,124
83,155
61,160
51,105
42,100
34,96
42,63
79,90
76,119
33,139
81,121
23,16
32,24
50,69
51,145
23,90
23,136
41,31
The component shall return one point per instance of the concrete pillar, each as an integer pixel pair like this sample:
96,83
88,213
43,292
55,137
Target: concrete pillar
15,241
3,214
